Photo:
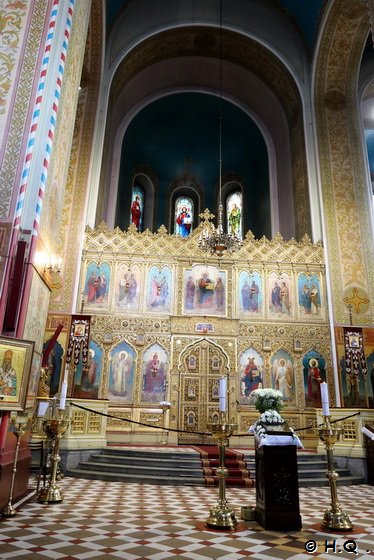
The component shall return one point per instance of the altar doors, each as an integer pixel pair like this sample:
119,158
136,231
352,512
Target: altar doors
201,365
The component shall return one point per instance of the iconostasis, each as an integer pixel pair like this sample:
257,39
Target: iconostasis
167,320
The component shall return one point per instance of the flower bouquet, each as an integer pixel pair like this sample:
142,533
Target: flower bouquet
268,402
266,399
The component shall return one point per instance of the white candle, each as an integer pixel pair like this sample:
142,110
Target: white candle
222,387
367,433
64,390
222,404
222,394
325,399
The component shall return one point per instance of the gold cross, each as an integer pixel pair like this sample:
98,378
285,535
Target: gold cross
206,215
355,300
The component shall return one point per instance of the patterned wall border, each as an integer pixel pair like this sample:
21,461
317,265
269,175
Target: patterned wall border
13,148
349,237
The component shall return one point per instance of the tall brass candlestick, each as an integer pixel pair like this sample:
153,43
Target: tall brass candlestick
164,434
335,518
20,420
222,516
55,424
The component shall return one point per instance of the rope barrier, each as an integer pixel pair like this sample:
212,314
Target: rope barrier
331,422
140,423
187,431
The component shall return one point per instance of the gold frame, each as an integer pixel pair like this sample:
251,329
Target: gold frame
21,352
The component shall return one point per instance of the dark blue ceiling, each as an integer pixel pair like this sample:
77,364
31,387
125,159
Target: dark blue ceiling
304,13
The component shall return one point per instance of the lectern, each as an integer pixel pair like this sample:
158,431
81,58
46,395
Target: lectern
277,484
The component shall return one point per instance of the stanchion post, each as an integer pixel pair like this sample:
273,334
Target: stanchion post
335,518
55,423
164,434
222,516
20,421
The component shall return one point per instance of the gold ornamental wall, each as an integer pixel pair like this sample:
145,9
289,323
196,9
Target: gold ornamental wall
168,320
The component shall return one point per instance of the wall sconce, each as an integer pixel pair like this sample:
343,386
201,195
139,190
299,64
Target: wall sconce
53,266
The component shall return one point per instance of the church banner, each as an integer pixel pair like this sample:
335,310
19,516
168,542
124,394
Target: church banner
79,338
355,361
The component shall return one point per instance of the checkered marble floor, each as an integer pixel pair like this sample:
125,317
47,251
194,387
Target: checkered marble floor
114,520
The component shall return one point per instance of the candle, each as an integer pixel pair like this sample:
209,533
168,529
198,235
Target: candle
222,404
222,387
64,389
325,399
222,394
367,433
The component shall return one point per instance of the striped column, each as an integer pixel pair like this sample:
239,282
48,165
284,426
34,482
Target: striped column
36,114
52,125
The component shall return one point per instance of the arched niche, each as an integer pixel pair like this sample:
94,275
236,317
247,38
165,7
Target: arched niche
146,180
176,60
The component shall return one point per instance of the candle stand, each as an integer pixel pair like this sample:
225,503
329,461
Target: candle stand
335,519
55,423
164,434
20,421
222,516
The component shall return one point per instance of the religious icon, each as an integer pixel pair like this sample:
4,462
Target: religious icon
88,376
191,394
215,390
154,374
121,376
15,363
128,287
309,295
314,375
251,373
137,205
79,329
191,419
234,206
280,298
250,292
283,375
354,341
205,290
191,362
215,363
183,216
49,384
97,284
159,287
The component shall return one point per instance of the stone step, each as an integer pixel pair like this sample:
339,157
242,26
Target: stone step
135,477
112,458
183,467
164,469
318,482
152,453
319,473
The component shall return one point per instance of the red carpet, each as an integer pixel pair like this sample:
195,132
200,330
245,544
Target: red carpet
238,474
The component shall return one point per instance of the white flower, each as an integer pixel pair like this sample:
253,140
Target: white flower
266,399
271,417
264,393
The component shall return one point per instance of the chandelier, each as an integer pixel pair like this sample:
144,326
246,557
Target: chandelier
214,239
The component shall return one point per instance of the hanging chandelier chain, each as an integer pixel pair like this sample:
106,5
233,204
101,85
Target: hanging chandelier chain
215,240
220,106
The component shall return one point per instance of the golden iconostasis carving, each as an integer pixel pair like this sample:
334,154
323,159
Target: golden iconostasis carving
166,318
